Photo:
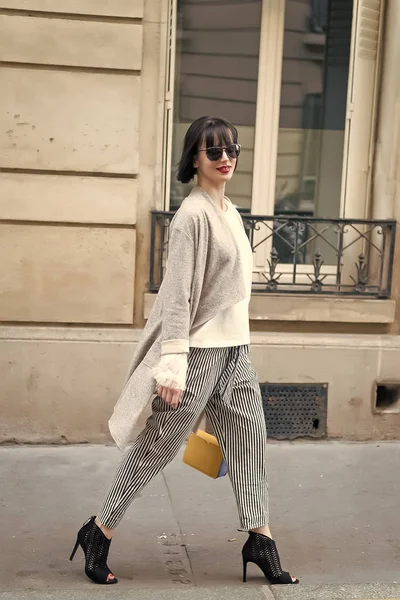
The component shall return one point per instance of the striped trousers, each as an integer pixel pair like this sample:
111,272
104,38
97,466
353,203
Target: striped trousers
223,383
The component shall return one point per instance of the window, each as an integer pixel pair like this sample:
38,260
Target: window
216,71
319,16
312,112
298,78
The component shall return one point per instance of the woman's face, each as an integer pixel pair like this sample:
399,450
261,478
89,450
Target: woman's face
215,172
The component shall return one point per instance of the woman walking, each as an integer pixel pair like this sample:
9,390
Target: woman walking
194,355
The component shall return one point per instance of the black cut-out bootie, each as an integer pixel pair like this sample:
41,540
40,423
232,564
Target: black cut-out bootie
95,546
261,550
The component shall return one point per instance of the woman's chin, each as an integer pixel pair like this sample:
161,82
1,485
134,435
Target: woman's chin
225,177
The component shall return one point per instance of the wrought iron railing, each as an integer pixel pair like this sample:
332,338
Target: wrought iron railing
304,255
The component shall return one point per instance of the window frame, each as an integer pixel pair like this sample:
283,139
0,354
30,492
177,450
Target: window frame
359,138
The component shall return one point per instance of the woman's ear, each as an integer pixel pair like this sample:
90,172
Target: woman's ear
195,163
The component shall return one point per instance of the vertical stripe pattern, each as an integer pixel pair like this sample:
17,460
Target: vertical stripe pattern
223,382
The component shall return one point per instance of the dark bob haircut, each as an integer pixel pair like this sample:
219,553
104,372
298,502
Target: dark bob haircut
214,131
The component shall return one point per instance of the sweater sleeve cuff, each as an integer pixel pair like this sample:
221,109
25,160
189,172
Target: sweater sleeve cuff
174,347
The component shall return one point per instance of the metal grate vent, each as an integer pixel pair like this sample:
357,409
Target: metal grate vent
295,409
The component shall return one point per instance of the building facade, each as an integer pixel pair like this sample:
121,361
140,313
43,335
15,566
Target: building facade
96,97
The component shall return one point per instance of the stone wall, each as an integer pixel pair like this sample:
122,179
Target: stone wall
81,109
69,147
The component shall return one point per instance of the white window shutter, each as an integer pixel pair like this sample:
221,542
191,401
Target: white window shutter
361,108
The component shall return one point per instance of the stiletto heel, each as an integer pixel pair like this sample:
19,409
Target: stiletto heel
75,549
95,546
244,571
261,550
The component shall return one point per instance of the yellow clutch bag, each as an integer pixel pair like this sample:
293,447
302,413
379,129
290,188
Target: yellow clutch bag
204,454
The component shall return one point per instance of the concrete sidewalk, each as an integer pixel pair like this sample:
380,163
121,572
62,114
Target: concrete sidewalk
334,514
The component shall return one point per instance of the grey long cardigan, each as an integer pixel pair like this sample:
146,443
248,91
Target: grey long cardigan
204,276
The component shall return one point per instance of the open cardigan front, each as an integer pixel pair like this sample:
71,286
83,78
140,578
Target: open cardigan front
204,275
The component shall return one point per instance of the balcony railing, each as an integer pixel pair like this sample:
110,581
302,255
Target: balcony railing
304,255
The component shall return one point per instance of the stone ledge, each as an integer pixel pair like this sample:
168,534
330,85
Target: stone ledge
316,309
321,309
51,333
99,334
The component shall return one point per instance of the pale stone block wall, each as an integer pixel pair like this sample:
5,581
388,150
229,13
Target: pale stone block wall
69,152
59,385
30,197
66,274
81,151
116,8
70,42
81,114
69,121
350,365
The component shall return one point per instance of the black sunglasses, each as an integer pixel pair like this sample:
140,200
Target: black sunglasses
214,153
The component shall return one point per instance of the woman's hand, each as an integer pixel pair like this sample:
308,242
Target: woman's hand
171,396
170,376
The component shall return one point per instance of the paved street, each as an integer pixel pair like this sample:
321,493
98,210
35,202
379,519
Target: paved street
334,514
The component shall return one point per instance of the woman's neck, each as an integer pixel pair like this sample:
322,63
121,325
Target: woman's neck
216,193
